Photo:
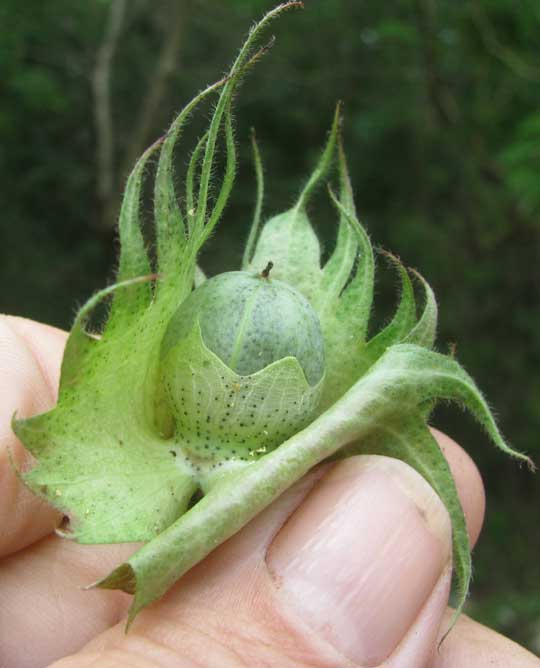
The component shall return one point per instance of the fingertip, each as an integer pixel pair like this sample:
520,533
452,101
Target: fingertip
45,343
472,645
30,358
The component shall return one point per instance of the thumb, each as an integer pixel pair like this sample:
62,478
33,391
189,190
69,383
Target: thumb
340,571
360,560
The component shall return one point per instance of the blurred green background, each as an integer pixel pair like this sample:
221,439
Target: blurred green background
442,129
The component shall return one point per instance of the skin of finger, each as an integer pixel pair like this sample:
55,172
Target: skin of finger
46,344
41,598
225,610
472,645
30,358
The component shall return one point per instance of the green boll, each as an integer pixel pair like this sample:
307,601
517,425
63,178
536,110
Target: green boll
251,320
242,366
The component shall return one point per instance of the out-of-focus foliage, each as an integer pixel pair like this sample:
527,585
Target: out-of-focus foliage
442,129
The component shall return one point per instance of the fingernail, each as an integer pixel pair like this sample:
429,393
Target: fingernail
360,556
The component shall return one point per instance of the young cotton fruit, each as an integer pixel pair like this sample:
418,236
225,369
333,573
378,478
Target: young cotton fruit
242,365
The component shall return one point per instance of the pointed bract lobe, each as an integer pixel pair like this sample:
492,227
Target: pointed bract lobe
289,240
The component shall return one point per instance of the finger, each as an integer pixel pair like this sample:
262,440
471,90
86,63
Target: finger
344,574
471,645
30,358
41,599
393,547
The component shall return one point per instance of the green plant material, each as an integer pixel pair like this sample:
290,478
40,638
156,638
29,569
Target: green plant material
236,389
249,321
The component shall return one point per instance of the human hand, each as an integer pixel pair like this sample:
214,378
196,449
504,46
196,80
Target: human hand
349,568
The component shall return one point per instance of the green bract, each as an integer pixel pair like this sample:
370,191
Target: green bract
235,390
